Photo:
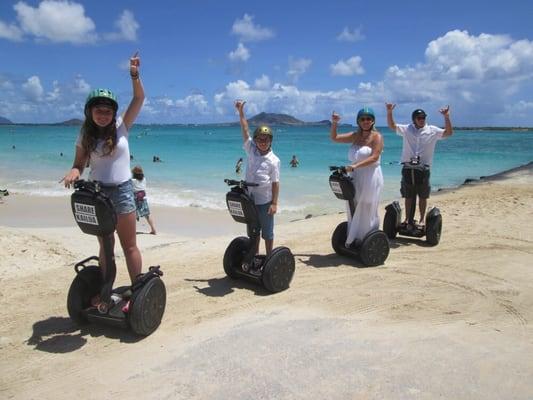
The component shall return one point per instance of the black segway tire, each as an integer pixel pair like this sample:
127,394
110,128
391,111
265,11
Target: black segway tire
338,239
147,307
278,270
234,255
433,230
83,288
389,224
374,249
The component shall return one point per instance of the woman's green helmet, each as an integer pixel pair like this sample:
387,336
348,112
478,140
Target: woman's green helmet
366,112
263,130
101,97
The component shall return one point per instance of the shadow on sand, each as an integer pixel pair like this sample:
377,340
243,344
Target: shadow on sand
61,335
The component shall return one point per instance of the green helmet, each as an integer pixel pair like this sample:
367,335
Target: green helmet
366,112
263,130
101,97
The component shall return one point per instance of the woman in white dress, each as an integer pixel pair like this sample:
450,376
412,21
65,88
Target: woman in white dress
365,169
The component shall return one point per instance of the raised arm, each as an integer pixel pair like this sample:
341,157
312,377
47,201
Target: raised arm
338,137
390,118
448,129
138,93
239,105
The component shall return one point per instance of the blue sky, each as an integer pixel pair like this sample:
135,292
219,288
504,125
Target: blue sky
281,56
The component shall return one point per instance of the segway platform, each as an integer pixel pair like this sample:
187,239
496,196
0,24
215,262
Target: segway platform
374,248
392,222
274,272
140,306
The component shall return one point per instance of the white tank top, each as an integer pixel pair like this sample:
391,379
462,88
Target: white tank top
112,169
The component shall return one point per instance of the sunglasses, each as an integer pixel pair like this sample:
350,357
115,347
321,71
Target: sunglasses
262,139
365,119
421,118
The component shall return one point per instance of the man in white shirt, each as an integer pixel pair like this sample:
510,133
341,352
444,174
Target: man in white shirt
419,140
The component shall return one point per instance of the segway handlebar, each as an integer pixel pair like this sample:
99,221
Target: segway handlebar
339,170
241,184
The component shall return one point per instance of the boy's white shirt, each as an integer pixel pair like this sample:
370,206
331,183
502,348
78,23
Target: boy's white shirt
261,169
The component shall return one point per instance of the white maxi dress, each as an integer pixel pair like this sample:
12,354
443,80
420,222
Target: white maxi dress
368,182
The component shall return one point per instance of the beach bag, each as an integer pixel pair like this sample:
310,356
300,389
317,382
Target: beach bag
140,195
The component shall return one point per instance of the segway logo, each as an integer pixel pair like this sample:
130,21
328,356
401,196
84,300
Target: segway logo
85,213
235,208
335,187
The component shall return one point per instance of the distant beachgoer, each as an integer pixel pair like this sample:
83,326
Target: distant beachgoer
419,140
294,162
366,145
131,156
156,159
141,200
61,154
238,166
13,147
262,167
103,142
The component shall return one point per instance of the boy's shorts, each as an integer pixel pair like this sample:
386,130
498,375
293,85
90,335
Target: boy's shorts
415,184
121,195
267,221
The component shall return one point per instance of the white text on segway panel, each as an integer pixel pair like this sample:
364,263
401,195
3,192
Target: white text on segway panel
335,187
85,213
235,208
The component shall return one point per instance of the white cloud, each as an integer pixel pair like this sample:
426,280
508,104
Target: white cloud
33,89
57,21
248,31
263,82
241,53
297,67
11,32
289,99
348,35
127,28
351,66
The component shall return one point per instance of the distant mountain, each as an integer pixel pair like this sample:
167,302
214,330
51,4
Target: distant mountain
274,119
71,122
283,119
5,121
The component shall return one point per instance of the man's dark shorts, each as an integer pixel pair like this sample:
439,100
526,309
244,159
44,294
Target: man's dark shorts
415,182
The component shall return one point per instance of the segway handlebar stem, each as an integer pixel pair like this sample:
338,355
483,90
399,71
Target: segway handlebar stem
339,170
240,184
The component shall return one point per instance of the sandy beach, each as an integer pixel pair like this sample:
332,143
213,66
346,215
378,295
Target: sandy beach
452,321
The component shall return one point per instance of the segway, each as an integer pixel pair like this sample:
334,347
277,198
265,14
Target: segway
140,306
274,272
374,249
392,222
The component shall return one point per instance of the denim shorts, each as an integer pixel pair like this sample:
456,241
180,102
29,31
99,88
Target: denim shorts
121,195
267,221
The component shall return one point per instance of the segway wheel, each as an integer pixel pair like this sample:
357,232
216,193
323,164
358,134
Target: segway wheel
278,270
83,288
234,255
433,230
389,224
374,249
338,239
147,307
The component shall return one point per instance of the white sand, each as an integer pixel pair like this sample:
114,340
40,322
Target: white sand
451,321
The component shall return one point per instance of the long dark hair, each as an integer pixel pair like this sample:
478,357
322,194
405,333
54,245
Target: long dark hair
91,133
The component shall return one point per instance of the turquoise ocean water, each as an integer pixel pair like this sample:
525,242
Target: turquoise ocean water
196,159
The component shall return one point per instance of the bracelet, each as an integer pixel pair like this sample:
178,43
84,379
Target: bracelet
135,76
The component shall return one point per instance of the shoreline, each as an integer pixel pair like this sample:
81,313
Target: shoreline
34,211
467,303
